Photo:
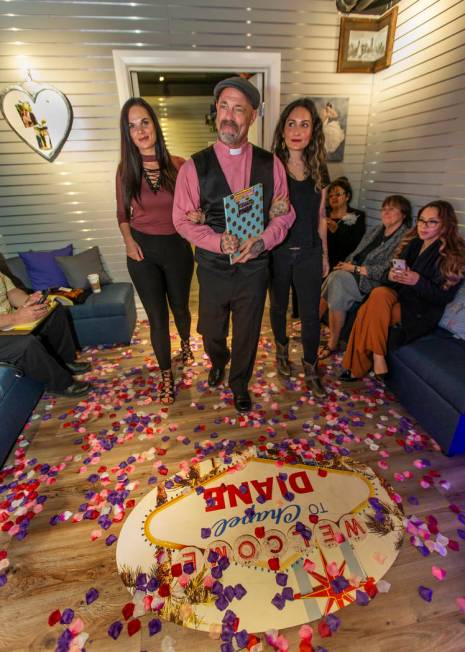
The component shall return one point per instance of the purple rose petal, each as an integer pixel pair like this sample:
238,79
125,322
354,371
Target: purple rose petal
361,598
281,579
91,595
154,626
115,629
425,593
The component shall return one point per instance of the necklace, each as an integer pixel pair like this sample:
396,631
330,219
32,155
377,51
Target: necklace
152,176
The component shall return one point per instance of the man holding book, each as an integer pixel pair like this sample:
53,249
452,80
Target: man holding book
38,340
233,287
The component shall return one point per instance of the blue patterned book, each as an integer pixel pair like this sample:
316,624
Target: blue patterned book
244,214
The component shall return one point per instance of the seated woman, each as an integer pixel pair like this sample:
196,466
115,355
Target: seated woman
363,270
346,225
424,278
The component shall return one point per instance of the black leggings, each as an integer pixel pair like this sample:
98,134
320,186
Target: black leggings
165,273
302,268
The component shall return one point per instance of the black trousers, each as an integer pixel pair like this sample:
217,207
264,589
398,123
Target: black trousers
303,269
239,295
164,276
43,354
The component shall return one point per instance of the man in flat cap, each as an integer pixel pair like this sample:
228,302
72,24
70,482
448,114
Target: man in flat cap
239,289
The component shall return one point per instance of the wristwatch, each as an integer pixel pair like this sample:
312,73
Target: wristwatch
357,269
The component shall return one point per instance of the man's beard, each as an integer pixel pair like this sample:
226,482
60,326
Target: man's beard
228,138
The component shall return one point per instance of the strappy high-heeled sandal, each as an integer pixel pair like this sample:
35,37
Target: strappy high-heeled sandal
166,387
187,356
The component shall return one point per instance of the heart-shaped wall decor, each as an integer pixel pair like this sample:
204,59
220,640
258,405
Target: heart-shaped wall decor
40,114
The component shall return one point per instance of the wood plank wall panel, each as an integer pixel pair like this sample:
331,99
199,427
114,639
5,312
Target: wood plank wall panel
416,133
69,44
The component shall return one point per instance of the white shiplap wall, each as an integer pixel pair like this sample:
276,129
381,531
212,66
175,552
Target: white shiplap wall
69,44
416,136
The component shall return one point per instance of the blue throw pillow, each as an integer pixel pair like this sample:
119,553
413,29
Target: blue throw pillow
42,268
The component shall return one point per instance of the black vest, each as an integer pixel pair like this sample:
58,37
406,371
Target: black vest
214,187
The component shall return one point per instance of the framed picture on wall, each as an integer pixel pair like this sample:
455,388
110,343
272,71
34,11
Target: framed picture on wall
365,44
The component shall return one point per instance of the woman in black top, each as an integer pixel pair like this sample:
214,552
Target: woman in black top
302,259
346,225
424,277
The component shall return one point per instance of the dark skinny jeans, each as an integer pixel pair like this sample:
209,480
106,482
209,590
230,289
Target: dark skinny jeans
164,276
303,268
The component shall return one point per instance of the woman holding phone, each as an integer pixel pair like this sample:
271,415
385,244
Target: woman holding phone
353,279
159,261
426,272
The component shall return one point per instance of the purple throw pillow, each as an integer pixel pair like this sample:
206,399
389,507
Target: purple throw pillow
42,268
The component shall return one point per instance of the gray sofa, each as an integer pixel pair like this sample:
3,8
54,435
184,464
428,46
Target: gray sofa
108,317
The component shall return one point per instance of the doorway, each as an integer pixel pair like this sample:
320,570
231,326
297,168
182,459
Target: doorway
185,106
263,68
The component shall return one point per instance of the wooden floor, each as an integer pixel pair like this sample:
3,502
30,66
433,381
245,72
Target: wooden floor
54,566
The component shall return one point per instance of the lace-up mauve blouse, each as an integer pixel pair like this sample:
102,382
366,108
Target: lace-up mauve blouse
152,214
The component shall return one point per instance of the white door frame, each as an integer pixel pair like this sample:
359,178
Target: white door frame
269,63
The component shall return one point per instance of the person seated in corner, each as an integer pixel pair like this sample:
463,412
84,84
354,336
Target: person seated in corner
345,224
427,269
352,280
48,353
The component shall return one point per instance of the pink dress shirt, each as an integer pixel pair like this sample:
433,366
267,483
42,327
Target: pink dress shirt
236,169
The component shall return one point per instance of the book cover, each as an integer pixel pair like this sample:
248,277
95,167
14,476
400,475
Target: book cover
24,329
244,214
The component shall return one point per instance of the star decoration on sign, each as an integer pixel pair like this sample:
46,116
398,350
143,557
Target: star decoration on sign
328,586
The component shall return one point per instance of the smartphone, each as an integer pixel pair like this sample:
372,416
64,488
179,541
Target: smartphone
399,263
44,296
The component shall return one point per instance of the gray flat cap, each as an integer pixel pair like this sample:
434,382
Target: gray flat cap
242,85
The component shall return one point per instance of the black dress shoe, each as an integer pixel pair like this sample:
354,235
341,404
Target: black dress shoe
79,367
381,378
347,377
215,376
242,402
76,389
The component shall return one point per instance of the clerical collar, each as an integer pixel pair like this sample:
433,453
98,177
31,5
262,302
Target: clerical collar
235,152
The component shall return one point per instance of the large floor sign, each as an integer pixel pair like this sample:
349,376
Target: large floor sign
278,542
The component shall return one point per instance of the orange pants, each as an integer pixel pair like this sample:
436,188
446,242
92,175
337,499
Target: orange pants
370,330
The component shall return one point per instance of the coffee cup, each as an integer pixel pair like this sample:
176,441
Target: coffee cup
94,281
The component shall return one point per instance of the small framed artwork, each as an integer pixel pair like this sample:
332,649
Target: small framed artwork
365,44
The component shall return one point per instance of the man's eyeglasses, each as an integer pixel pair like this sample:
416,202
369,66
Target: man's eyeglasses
336,194
428,223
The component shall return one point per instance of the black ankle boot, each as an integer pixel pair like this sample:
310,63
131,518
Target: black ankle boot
282,359
312,379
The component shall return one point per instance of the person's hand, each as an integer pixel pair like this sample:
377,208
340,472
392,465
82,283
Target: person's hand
198,216
33,298
279,206
404,276
133,250
345,267
325,265
250,249
331,224
28,313
229,243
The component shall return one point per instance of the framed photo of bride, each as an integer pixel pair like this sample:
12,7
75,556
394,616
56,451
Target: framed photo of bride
365,44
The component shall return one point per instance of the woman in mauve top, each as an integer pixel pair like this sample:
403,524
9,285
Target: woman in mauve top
159,261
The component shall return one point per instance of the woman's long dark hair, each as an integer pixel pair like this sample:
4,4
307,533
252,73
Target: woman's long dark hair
452,245
314,155
130,166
